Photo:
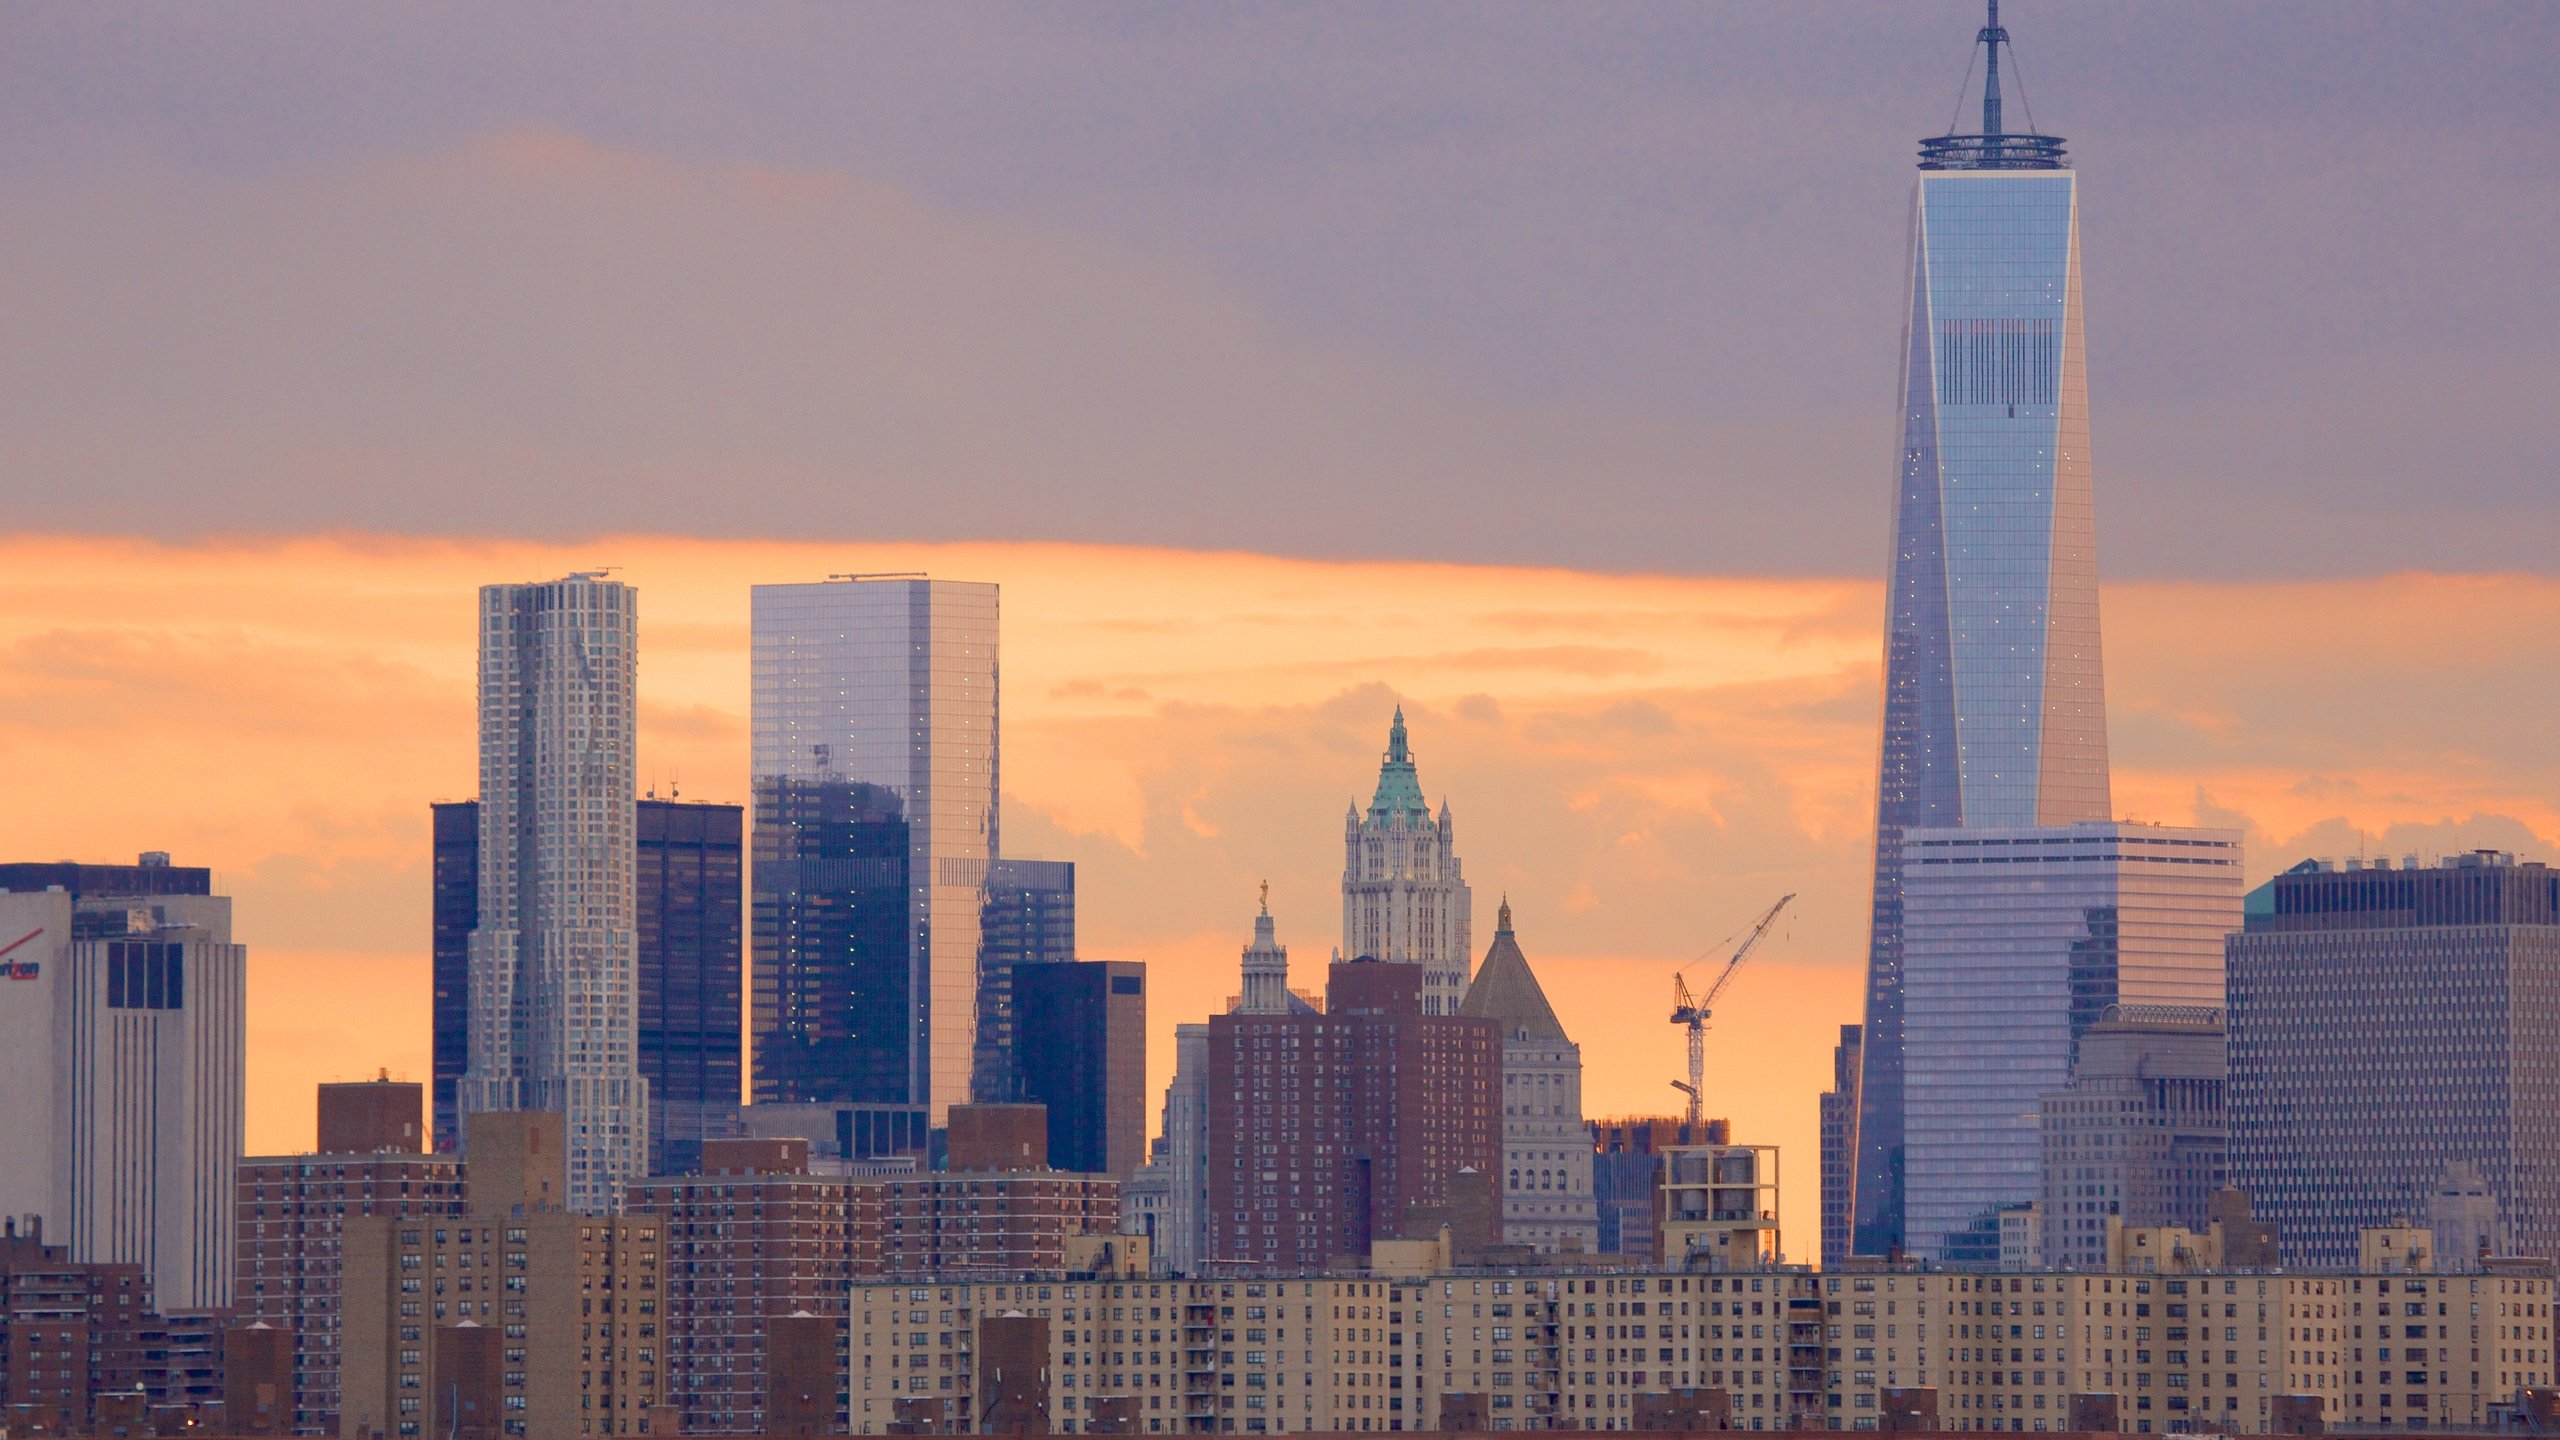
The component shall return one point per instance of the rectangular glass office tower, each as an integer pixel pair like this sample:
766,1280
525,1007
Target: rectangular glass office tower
1995,712
874,707
2015,942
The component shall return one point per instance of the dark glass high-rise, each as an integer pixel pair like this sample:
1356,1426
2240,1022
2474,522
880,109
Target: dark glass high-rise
834,999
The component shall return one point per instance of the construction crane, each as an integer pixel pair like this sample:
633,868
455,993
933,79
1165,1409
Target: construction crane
1695,1011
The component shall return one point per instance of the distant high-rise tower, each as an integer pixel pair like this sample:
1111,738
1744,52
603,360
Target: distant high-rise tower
554,980
2388,1025
690,947
873,696
1839,1122
692,980
1403,900
1029,918
123,1044
1080,1049
1995,714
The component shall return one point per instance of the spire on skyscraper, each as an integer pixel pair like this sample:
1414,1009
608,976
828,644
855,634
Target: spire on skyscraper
1399,784
1991,39
1995,148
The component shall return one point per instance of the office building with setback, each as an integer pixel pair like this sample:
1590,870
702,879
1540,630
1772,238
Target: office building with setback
2138,1137
2015,942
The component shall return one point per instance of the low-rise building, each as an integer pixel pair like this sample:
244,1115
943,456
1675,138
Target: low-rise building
1382,1351
572,1298
2173,1342
753,1239
292,1213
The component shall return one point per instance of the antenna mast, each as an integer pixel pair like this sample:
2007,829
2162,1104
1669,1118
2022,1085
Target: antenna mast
1993,37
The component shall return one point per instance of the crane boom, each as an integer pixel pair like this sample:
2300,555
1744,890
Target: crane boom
1758,929
1694,1011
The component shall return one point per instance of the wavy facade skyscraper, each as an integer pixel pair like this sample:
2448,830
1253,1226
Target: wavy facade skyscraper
1995,710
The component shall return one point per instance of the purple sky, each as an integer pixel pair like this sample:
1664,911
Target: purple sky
1608,287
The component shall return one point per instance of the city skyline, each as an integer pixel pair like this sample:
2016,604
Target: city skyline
1760,694
1645,736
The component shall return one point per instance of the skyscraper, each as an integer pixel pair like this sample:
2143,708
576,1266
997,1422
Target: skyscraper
455,872
1995,714
692,974
1839,1127
874,708
1080,1049
2016,942
554,976
1027,918
123,1038
1403,899
690,947
2390,1027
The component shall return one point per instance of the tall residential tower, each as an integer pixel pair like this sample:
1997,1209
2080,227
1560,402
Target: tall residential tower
554,955
1994,712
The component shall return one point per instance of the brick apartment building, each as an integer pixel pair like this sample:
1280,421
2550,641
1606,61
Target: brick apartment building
1326,1129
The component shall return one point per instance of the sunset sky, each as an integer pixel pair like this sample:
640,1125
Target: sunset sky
1529,366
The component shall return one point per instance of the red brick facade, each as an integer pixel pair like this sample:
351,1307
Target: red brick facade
1325,1129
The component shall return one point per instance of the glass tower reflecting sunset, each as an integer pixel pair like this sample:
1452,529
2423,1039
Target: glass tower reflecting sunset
1995,712
874,731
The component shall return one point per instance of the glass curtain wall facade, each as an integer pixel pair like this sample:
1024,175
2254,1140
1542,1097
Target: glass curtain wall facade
2015,943
1028,918
456,912
554,957
865,685
1995,711
692,1011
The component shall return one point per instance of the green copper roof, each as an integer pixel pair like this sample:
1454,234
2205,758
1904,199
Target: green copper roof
1399,787
1507,993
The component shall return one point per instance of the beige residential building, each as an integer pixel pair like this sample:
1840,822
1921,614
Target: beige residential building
1479,1350
2172,1343
2161,1342
573,1298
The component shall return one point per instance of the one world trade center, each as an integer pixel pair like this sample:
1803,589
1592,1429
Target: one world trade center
1995,711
